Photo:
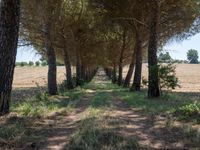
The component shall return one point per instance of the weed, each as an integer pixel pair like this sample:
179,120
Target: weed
189,112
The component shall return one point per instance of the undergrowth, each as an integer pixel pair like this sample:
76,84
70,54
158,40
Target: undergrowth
189,112
42,104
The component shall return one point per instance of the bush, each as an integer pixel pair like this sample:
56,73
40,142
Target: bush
189,112
37,63
167,77
59,64
22,64
31,63
44,63
18,64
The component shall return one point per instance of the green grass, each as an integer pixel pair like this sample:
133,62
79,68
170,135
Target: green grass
11,131
152,106
178,105
42,104
17,128
101,99
93,134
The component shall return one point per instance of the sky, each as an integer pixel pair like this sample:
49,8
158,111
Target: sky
176,50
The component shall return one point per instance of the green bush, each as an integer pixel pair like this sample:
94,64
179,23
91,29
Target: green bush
18,64
37,63
22,64
44,63
31,63
167,77
189,112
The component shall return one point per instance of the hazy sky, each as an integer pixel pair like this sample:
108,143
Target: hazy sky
177,50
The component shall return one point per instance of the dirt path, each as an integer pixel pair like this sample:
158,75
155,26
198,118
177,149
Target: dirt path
150,131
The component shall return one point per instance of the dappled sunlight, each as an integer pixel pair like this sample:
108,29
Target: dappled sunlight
101,115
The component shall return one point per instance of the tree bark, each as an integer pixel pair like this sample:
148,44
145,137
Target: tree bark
131,69
114,74
78,70
120,77
68,69
138,64
9,28
83,72
51,57
67,62
153,87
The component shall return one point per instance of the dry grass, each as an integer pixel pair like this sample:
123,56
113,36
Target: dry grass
188,74
26,77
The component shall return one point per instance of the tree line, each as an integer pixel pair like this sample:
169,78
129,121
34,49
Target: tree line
92,33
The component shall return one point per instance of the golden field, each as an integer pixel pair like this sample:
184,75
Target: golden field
188,75
25,77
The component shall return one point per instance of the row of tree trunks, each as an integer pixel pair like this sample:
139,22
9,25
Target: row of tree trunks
9,28
153,87
83,73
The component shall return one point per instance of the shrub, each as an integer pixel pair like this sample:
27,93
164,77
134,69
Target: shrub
167,77
22,64
37,63
188,111
44,63
31,63
18,64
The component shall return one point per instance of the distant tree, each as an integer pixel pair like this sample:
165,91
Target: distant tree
22,64
44,63
59,64
192,56
165,57
37,63
31,63
17,64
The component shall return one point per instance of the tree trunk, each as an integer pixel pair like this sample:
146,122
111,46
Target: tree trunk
138,64
131,69
51,56
153,87
83,72
67,62
120,77
114,74
9,28
68,69
78,70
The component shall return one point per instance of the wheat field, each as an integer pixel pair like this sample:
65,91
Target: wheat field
25,77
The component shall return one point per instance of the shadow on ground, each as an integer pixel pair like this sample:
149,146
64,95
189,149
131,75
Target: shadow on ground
101,117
